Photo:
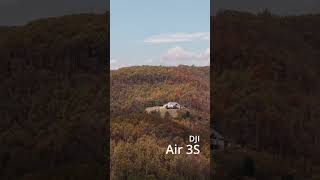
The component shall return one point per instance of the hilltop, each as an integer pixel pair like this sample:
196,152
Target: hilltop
135,88
174,113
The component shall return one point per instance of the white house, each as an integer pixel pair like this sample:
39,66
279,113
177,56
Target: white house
172,105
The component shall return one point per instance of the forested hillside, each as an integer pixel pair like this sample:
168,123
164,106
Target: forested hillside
135,88
54,98
139,140
266,81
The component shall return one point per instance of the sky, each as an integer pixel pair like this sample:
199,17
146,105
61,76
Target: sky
166,32
19,12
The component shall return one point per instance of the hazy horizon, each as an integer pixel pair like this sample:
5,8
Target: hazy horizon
114,69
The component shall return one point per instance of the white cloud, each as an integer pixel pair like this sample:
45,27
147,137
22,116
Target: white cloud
118,66
171,57
177,37
179,55
149,61
113,61
205,55
115,64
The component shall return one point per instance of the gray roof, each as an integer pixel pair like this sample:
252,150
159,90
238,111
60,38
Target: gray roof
173,103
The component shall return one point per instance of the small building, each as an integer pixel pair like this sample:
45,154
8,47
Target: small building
172,105
217,141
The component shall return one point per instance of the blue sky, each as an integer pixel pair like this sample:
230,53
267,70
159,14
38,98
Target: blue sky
159,32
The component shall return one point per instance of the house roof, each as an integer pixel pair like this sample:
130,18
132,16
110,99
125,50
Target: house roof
173,103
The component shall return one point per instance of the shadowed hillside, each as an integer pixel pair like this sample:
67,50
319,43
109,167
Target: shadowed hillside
266,94
54,98
64,44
